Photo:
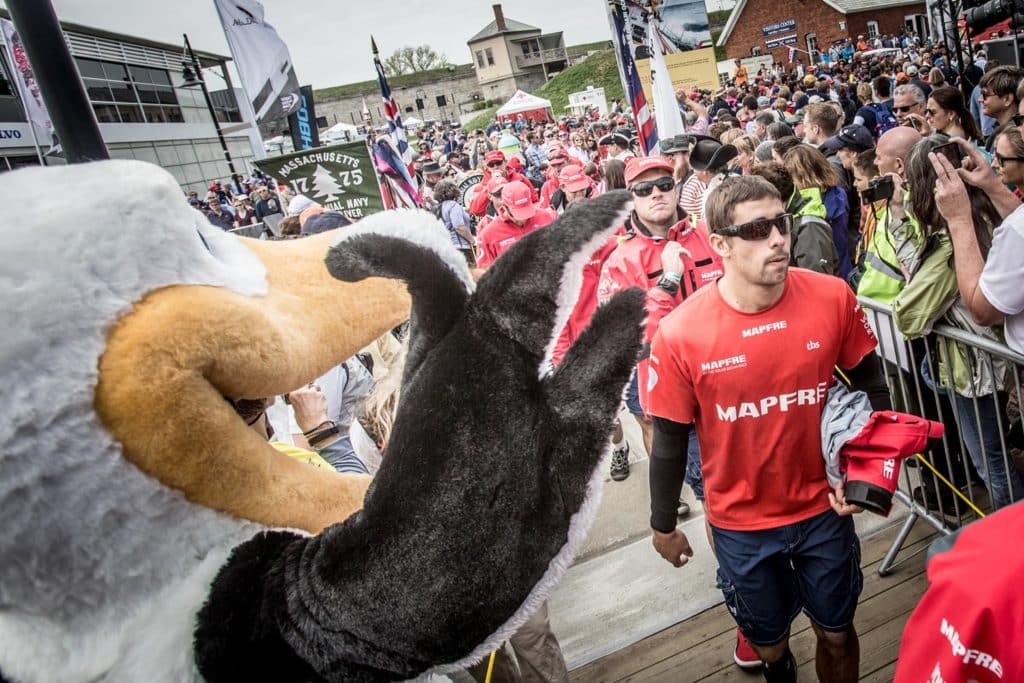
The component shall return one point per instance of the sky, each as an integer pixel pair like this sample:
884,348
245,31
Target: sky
329,40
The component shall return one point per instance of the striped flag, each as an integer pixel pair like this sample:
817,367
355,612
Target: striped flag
648,132
394,159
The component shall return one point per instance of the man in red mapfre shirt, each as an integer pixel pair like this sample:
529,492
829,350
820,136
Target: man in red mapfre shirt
518,217
969,626
497,167
748,360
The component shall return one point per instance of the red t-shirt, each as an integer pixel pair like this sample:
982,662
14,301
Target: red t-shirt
969,626
754,385
500,234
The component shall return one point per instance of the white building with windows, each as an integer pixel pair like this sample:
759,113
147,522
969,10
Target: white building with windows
144,107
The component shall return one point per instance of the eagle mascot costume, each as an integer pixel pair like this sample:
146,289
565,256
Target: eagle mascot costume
149,535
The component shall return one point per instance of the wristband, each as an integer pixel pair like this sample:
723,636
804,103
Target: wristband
308,432
322,435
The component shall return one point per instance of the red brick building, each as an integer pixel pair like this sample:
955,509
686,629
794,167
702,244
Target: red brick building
763,27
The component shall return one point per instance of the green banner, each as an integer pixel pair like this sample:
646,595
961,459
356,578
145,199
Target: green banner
339,177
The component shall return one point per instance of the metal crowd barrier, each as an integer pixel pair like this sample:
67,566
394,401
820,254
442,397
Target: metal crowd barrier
944,487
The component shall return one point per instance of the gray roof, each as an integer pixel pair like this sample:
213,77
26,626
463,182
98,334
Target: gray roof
850,6
511,26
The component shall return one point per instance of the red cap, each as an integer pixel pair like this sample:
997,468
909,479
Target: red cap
514,164
558,154
494,155
572,178
517,200
636,166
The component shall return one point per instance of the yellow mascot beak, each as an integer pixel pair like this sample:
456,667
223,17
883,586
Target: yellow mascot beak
171,361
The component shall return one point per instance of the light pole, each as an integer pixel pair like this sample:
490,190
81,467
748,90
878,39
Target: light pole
193,75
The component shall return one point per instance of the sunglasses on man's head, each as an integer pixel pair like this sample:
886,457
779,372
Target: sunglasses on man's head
759,229
644,189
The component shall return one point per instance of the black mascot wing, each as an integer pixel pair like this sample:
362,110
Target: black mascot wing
489,482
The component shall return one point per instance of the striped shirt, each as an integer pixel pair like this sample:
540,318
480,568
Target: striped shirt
691,198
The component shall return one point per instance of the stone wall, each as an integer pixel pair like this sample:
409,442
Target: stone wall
458,93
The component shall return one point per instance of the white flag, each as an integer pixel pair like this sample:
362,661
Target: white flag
24,79
262,59
666,110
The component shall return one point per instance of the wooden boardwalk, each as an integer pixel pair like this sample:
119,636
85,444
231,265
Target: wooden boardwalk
700,648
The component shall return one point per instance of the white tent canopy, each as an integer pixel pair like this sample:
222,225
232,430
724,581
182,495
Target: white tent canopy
523,101
411,122
340,127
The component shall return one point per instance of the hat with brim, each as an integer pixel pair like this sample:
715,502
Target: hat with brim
572,178
614,139
431,167
676,143
853,137
796,118
708,154
518,201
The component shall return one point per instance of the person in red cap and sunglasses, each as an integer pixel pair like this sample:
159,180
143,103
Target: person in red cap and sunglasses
518,217
496,167
557,159
663,253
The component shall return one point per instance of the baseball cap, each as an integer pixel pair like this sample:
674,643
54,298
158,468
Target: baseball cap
853,137
517,200
902,78
637,166
911,70
809,79
494,155
572,178
797,117
763,101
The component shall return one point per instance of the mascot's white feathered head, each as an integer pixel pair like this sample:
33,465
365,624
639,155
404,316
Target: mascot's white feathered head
148,535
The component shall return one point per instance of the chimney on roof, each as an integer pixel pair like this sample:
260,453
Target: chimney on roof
499,17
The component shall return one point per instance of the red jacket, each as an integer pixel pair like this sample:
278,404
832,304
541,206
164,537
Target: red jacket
969,626
637,263
478,207
548,188
586,303
500,234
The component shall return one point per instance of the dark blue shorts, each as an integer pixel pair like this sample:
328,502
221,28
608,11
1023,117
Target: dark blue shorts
768,576
633,396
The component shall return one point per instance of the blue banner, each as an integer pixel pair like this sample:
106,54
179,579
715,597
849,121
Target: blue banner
779,42
778,27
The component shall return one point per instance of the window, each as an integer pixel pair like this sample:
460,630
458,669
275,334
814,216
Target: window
480,58
129,94
490,57
872,30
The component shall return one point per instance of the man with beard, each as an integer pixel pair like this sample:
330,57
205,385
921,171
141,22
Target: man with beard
783,538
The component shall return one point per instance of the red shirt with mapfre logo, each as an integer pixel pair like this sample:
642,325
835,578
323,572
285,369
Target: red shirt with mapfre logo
969,626
754,385
500,234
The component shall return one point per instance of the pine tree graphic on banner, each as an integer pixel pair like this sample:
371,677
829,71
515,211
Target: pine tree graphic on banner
324,185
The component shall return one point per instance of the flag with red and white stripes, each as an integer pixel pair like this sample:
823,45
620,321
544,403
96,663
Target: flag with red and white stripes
395,158
647,131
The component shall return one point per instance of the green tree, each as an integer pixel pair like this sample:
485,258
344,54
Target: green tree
407,60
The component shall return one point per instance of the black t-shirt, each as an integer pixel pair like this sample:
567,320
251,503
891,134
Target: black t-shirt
266,207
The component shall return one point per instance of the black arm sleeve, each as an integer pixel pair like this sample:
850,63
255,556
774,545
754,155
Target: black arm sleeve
668,467
867,376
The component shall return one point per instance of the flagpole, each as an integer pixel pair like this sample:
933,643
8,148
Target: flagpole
24,105
62,89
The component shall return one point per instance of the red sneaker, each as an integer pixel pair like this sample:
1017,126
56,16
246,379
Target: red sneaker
744,655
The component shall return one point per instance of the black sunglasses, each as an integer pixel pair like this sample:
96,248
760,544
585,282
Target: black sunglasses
1017,119
759,229
906,108
1000,159
495,164
644,189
